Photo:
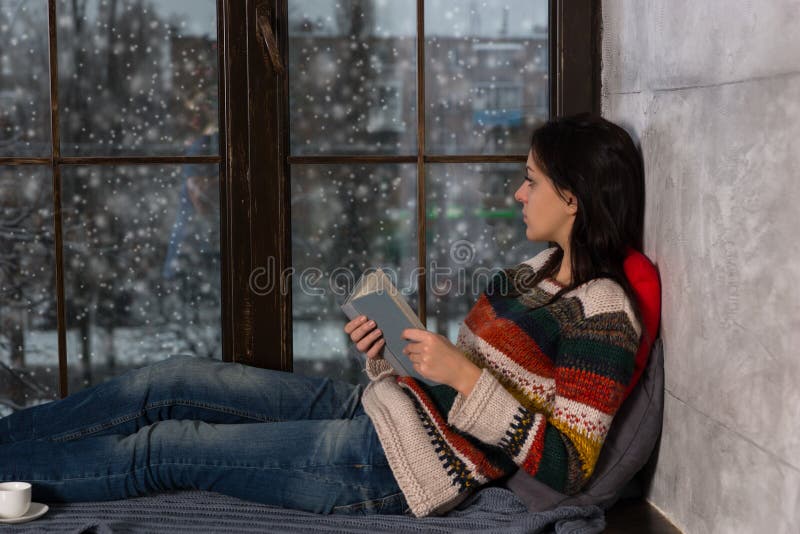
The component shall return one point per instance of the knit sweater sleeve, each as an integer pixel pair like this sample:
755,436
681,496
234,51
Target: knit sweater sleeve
559,443
378,368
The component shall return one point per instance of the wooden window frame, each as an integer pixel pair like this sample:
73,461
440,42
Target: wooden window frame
261,222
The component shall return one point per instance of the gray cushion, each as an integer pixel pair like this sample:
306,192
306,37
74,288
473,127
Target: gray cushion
629,444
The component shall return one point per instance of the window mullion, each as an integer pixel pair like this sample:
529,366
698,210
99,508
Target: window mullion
421,229
55,157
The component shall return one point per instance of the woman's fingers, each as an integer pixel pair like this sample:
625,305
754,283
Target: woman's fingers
365,335
358,328
374,352
350,326
366,341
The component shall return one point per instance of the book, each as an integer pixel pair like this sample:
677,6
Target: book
375,296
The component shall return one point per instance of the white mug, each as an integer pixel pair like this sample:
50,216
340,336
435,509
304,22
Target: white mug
15,499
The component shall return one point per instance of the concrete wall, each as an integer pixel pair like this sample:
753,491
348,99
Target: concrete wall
711,89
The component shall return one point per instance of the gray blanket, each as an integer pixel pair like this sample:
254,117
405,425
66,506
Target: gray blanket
491,509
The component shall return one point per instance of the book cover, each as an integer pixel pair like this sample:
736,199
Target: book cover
375,296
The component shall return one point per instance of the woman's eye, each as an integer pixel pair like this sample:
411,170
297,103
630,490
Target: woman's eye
528,179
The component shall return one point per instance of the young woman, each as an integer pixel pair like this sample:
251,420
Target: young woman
533,382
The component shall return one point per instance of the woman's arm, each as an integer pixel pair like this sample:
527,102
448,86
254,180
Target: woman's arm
468,378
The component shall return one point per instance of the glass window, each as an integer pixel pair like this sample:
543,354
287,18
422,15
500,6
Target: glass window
142,266
137,78
141,244
486,75
24,79
346,219
28,323
352,76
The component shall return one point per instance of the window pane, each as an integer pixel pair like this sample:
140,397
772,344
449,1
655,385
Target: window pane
352,77
485,75
346,219
137,77
28,334
474,227
24,79
142,266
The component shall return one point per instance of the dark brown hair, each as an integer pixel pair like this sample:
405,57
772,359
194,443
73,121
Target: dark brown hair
598,162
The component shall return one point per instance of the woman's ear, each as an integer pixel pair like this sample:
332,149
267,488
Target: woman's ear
572,203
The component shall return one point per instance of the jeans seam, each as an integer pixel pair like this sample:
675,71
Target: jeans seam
122,419
159,464
379,503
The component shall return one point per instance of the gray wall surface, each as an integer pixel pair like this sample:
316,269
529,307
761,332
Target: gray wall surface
711,90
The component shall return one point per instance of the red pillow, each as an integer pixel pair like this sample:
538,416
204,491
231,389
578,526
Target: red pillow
643,276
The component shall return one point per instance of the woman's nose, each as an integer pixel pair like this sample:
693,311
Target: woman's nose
518,194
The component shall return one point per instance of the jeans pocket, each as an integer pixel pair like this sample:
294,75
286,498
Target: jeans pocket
394,503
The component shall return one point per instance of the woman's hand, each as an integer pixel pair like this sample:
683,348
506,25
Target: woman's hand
367,338
436,358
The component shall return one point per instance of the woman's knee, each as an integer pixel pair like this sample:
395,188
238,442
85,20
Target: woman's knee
180,363
177,358
173,372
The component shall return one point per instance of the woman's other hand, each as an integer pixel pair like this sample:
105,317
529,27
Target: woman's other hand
366,336
436,358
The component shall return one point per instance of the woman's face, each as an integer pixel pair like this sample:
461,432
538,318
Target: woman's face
546,215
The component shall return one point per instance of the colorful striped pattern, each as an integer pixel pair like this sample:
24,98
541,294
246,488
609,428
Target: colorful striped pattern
553,376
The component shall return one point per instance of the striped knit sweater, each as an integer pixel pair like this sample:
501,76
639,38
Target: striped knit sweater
552,378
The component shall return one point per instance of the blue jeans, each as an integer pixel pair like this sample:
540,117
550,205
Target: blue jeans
196,423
